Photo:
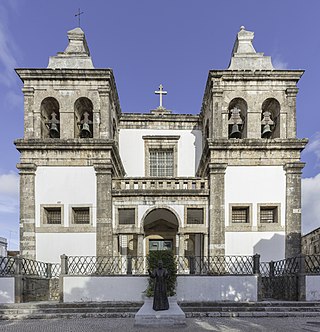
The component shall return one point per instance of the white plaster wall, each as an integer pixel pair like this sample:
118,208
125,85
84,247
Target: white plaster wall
50,246
131,147
6,289
255,184
67,186
270,245
189,288
313,288
78,289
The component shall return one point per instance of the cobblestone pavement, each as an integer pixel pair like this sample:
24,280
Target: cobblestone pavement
193,325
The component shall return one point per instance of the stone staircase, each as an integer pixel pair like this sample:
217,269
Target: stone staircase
47,310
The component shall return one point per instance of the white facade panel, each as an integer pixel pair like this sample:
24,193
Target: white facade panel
67,186
270,245
131,145
50,246
255,184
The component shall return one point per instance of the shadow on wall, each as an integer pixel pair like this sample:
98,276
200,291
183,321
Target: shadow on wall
272,249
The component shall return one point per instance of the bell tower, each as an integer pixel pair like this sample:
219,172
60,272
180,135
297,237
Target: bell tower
71,118
249,121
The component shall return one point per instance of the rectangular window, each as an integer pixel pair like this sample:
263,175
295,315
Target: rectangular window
161,162
52,215
127,216
268,215
81,215
194,216
240,215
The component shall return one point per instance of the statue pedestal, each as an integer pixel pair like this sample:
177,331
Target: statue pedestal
146,316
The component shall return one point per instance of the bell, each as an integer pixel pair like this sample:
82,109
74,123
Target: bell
85,131
266,132
54,131
235,132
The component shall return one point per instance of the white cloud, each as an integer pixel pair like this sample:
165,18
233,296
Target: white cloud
9,192
8,50
278,63
310,203
314,145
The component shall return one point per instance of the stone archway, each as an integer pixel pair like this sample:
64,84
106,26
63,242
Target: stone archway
160,228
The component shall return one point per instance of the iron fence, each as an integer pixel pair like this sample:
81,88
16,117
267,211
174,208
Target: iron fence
217,265
7,266
312,264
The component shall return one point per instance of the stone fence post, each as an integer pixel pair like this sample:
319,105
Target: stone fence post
301,278
256,264
64,272
18,280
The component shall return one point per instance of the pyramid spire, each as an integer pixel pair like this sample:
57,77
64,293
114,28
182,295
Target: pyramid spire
76,55
245,57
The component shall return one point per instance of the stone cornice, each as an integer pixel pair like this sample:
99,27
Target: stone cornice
163,121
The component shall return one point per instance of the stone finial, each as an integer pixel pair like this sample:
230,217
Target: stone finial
245,57
76,55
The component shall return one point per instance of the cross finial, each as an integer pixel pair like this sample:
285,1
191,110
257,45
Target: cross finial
78,14
160,92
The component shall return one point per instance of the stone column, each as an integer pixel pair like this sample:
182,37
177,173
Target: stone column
181,245
293,208
205,245
104,238
29,130
291,116
105,113
216,210
27,210
220,116
140,245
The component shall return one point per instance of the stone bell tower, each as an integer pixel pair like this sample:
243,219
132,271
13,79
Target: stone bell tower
249,121
71,118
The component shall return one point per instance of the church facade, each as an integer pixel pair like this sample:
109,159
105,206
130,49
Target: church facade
95,181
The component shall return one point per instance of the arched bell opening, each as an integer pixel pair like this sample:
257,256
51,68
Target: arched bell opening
50,118
160,228
270,118
237,124
83,112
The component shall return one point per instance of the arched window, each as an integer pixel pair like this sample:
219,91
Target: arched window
270,118
50,118
237,124
83,112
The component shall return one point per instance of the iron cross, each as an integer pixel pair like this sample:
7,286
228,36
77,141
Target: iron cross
78,14
160,92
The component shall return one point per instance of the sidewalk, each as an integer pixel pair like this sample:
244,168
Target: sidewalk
193,325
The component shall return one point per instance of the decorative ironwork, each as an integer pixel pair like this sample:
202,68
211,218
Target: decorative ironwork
7,266
35,268
312,264
55,270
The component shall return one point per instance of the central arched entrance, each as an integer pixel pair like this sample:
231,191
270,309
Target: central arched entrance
160,228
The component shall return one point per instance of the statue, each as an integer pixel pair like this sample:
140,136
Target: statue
160,299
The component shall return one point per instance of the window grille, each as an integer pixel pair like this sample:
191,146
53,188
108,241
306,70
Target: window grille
161,162
268,215
81,215
240,215
53,215
194,216
126,216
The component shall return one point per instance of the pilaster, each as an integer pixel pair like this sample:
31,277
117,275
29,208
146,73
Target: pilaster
219,118
140,245
293,208
27,210
105,125
217,209
291,116
28,112
104,237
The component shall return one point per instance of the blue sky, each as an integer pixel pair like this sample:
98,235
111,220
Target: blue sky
173,42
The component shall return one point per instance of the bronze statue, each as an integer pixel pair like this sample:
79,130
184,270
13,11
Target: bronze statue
160,299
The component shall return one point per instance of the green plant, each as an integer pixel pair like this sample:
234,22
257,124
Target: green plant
169,263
